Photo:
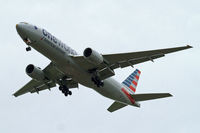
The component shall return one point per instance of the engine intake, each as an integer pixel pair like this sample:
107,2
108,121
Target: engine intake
92,56
35,72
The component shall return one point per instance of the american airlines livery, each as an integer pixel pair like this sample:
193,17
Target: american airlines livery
68,69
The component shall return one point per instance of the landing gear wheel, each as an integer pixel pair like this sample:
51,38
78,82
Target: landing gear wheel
70,93
65,90
60,88
28,49
66,94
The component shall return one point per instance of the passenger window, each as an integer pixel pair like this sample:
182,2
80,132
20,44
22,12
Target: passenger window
35,27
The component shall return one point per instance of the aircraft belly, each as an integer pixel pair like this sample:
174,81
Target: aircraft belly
111,88
47,50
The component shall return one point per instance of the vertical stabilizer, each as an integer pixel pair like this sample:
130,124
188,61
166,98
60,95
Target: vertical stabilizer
131,81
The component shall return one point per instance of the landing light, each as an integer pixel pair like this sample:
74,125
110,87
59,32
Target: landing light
27,41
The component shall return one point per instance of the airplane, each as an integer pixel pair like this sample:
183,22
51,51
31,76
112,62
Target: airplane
93,70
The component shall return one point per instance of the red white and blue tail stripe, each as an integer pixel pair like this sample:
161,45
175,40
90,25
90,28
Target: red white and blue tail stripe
132,81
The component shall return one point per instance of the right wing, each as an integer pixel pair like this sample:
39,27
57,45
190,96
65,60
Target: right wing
122,60
53,74
150,96
127,59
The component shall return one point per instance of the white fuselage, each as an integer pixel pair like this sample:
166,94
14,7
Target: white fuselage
60,54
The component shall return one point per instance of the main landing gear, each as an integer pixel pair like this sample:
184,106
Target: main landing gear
95,78
97,81
65,90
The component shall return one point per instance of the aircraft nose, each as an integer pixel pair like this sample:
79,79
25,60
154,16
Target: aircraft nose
22,30
19,28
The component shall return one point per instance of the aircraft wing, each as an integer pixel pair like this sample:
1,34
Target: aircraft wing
53,74
34,86
125,59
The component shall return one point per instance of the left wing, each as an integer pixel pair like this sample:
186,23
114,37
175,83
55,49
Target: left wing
34,86
124,60
53,74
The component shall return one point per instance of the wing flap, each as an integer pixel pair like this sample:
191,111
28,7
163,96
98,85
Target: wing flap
132,62
71,84
105,73
116,106
114,58
43,87
150,96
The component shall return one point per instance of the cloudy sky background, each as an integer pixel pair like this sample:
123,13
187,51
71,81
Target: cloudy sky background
108,26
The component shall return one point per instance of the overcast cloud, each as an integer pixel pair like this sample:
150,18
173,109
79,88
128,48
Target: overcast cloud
108,26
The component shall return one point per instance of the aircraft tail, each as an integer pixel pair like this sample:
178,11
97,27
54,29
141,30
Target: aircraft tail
131,81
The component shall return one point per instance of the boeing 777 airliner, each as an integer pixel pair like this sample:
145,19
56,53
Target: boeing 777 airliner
68,69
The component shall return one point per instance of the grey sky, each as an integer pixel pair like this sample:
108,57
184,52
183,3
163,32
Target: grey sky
108,26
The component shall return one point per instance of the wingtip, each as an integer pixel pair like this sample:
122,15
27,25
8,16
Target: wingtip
189,46
109,111
15,95
170,95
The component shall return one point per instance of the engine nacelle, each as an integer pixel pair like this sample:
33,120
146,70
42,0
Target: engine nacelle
92,56
35,72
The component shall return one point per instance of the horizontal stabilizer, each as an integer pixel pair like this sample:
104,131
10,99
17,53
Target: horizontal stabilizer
150,96
115,106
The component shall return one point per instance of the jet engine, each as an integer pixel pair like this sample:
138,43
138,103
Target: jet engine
92,56
35,72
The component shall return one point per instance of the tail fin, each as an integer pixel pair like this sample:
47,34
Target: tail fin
132,81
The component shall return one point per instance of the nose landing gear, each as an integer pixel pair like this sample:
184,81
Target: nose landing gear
28,42
28,48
